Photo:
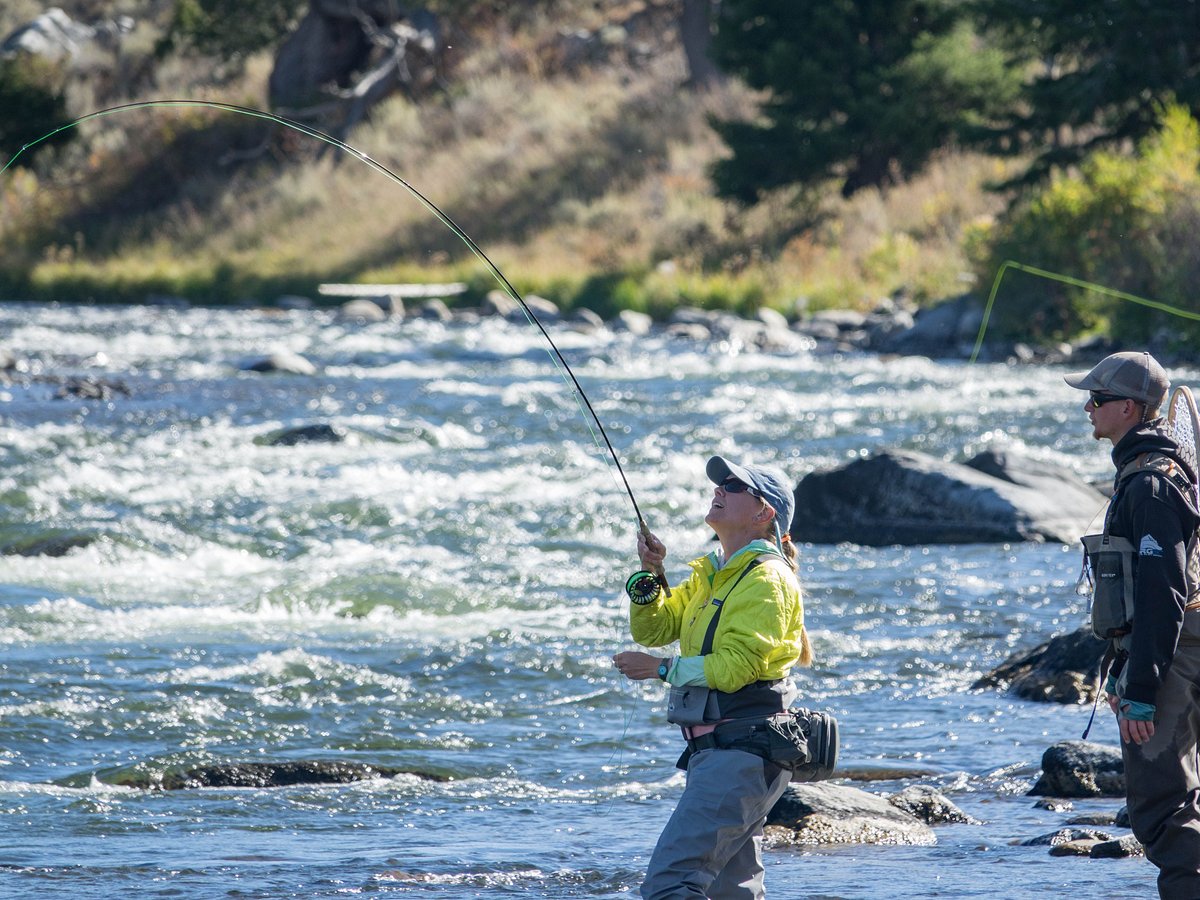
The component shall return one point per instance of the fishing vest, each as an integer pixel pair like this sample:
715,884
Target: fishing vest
1110,561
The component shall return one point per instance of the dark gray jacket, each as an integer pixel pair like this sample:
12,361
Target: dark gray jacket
1151,512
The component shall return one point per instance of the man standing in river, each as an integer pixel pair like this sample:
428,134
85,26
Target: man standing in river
1148,607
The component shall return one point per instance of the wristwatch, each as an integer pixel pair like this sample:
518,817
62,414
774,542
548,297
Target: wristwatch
663,668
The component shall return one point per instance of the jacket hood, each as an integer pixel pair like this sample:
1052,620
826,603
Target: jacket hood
1150,438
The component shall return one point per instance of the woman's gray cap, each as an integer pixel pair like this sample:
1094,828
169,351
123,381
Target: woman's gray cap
772,484
1137,376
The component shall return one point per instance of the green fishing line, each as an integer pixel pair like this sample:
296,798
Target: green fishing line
1074,282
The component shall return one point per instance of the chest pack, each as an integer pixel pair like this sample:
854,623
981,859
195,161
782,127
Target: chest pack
1110,561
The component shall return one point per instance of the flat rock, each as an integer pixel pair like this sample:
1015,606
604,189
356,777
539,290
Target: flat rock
265,774
317,433
930,806
1066,835
834,814
52,542
281,361
1080,847
1121,848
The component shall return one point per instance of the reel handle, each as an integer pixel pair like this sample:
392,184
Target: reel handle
657,571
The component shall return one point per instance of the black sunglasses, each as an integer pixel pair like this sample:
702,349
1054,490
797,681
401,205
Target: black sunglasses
732,485
1098,399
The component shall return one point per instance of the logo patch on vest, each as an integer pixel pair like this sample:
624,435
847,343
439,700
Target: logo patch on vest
1149,546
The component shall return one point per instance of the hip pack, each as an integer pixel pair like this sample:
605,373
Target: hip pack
801,741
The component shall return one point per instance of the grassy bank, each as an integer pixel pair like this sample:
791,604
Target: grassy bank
588,188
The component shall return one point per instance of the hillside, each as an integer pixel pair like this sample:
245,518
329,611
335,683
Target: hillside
583,177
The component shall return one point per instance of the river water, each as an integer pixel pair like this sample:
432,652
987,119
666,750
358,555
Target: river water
440,592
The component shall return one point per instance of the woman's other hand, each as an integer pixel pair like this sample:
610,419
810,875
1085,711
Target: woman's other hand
637,666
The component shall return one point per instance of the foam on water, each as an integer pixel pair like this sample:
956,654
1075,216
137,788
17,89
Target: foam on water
441,591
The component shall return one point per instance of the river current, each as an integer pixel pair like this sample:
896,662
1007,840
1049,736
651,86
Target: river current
441,592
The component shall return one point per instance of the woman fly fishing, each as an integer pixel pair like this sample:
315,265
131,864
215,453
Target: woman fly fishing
739,620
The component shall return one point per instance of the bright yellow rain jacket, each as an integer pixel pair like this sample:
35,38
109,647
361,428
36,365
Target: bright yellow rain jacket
760,635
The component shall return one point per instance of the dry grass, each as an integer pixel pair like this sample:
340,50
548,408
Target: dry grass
560,178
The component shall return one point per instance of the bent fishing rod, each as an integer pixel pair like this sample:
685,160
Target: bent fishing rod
445,219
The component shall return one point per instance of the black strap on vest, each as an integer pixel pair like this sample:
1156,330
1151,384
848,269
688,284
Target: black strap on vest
706,647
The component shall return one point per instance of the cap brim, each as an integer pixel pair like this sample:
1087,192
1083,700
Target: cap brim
1083,381
719,469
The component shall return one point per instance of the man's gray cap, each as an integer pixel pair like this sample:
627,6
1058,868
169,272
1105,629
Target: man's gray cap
1134,375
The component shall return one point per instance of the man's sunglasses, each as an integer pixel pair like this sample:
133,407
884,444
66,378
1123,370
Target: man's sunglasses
733,485
1098,399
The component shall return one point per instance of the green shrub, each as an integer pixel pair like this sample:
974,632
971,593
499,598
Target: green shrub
1126,222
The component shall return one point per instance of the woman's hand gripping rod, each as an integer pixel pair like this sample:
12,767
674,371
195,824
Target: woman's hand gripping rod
652,552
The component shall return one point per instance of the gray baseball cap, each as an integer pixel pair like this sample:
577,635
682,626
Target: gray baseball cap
770,484
1137,376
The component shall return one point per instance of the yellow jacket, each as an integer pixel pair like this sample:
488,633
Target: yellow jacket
760,635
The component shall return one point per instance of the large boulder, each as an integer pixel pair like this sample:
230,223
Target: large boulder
907,497
1064,669
834,814
1081,769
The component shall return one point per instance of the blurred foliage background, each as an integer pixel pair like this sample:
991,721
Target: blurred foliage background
617,153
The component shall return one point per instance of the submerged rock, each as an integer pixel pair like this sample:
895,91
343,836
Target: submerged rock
267,774
1121,848
318,433
284,361
1064,669
905,497
56,542
1081,769
833,814
1065,836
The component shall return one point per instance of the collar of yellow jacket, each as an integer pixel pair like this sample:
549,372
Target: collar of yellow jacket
712,564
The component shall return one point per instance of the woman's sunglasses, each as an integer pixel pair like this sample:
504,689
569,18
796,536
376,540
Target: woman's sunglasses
733,485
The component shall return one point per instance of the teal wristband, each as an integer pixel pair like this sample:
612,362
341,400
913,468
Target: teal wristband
1136,712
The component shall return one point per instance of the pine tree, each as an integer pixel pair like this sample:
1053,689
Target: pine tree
1100,72
864,92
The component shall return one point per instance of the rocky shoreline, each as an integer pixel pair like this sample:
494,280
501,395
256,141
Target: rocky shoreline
948,330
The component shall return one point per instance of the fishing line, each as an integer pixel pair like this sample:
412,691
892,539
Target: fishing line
560,361
1074,282
556,355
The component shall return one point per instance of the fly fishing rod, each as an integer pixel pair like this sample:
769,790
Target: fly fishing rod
500,277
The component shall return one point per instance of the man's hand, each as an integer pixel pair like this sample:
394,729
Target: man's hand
1135,732
1136,720
637,666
